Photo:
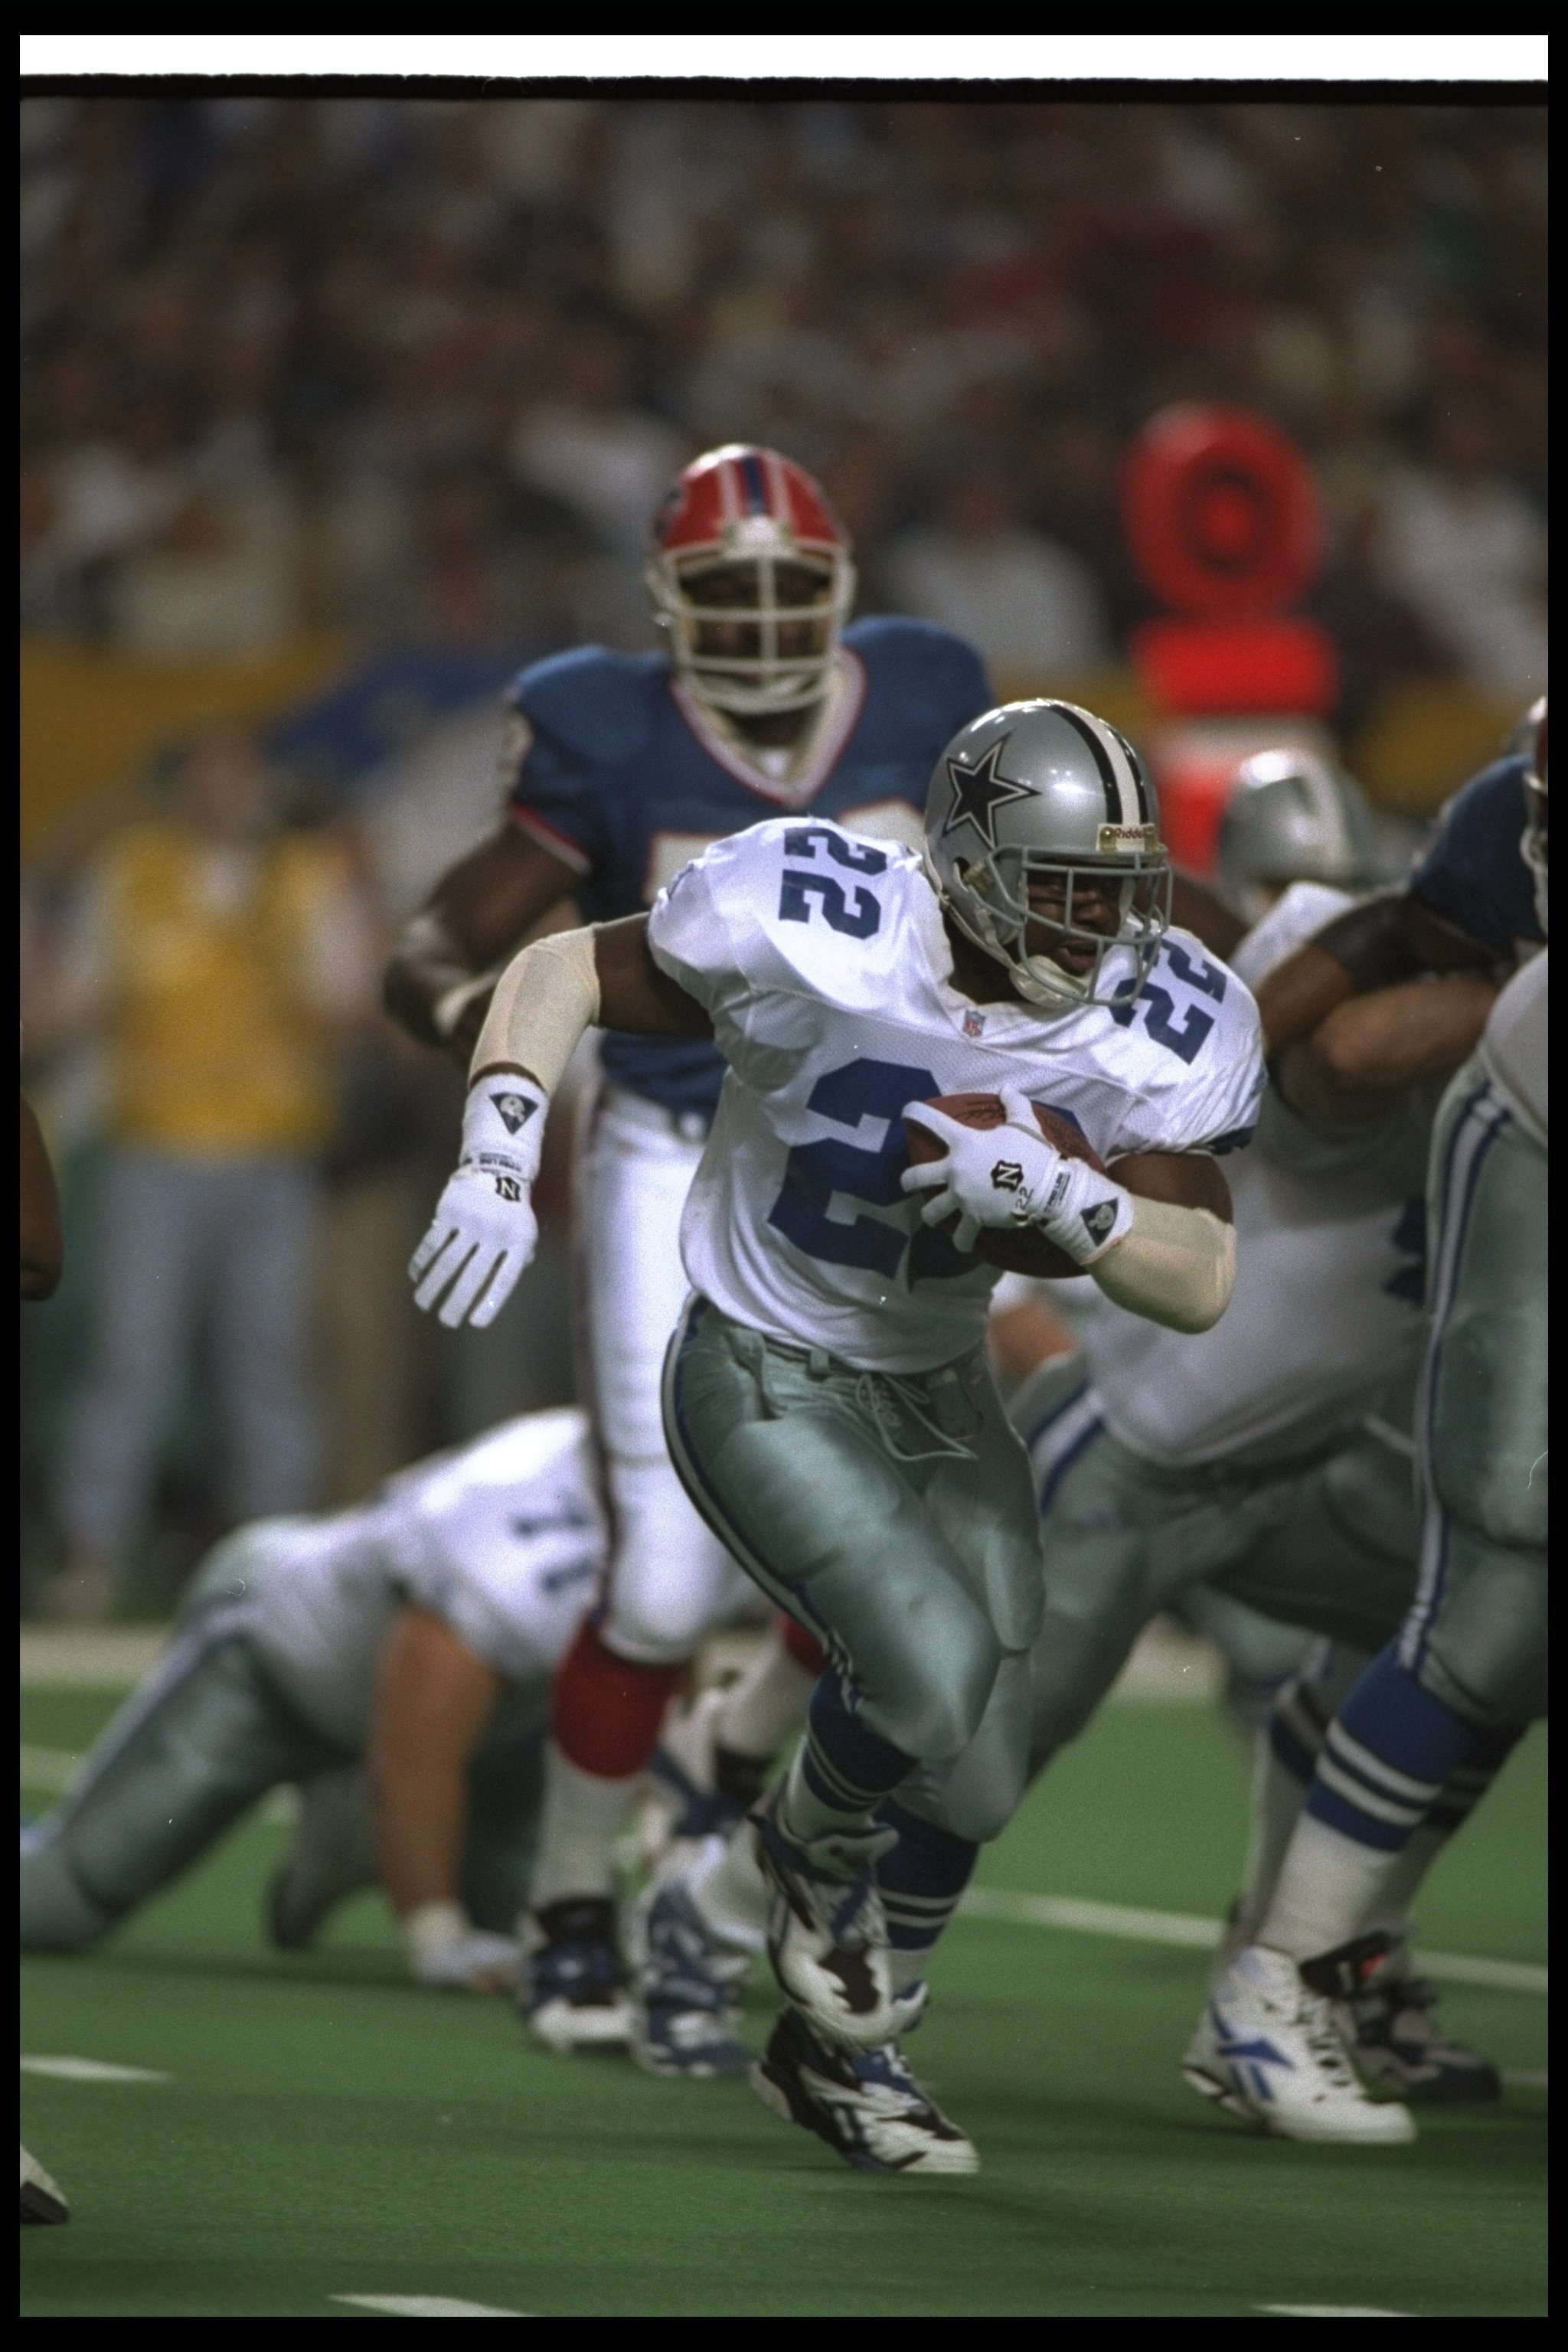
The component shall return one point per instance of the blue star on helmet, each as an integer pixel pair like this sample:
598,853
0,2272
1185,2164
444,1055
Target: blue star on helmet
978,792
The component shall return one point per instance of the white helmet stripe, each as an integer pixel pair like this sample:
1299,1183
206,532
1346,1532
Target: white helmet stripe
1135,767
1115,770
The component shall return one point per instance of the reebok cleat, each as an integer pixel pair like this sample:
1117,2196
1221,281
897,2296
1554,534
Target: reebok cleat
1268,2049
864,2104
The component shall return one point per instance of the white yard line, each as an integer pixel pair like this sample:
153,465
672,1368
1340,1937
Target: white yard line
1330,2311
90,2070
1011,1909
430,2307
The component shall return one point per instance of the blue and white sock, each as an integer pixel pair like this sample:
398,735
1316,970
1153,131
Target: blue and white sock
842,1769
920,1882
1385,1759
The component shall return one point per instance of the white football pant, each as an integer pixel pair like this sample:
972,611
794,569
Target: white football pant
669,1581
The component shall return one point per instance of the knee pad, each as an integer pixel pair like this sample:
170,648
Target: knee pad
56,1915
938,1723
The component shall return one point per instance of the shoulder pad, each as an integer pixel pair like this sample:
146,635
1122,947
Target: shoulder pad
595,702
919,652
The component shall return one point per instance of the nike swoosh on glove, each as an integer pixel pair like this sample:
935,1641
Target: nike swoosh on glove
1009,1176
484,1231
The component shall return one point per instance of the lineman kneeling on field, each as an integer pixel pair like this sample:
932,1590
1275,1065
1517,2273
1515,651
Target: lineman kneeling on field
395,1660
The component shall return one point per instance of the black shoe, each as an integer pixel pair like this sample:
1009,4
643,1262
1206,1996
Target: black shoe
864,2104
573,1988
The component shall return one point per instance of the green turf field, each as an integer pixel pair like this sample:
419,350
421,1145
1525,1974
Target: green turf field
325,2131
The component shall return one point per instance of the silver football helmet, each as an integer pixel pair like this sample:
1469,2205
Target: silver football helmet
1292,817
1041,795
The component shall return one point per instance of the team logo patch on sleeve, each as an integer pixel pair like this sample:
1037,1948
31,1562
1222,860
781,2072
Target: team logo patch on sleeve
1098,1220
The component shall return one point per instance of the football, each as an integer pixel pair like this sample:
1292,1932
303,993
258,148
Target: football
1015,1251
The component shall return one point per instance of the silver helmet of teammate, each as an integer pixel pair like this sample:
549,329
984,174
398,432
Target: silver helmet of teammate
1045,799
1292,817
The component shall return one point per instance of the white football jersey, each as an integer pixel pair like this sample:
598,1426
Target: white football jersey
1513,1048
825,964
502,1539
1330,1254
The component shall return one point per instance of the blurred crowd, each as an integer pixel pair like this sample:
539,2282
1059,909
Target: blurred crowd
421,368
417,372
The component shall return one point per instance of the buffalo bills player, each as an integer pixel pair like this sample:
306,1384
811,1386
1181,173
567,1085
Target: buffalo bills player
621,768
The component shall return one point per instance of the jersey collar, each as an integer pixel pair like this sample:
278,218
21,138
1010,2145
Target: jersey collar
836,722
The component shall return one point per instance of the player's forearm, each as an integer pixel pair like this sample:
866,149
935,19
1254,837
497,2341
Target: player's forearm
554,990
1372,1046
421,1811
433,1698
1175,1265
434,989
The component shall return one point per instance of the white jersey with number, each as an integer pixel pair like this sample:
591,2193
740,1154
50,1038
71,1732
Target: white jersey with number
1327,1307
1513,1046
825,966
502,1539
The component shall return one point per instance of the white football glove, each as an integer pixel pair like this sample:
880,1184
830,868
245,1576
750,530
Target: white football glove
1009,1176
484,1231
449,1954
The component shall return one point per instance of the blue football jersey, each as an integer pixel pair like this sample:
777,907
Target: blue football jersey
1473,874
623,775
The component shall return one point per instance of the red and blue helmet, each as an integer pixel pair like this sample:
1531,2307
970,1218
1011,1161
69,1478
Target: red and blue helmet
746,505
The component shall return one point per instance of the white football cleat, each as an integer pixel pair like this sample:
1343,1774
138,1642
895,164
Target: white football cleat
1269,2049
827,1935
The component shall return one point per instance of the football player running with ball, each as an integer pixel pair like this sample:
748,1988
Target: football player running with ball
827,1397
621,768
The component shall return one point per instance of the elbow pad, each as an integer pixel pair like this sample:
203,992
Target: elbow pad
544,999
1176,1266
1373,942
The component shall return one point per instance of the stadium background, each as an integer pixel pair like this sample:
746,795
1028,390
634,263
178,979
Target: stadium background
334,411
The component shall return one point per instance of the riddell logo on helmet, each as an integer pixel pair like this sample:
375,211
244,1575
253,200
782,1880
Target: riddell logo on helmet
1115,838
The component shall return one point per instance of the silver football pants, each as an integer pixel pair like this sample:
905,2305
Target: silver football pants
1476,1637
896,1519
1326,1543
203,1739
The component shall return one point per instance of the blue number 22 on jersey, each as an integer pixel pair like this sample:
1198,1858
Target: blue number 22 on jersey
798,891
1159,1006
816,1171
